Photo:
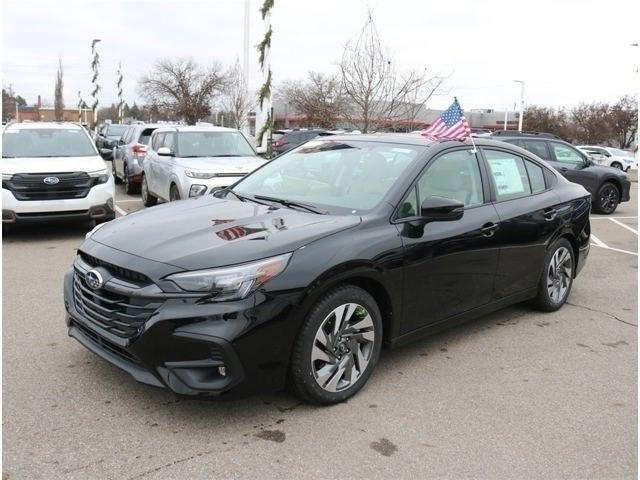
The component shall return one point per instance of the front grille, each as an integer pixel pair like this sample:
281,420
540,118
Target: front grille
115,270
117,313
105,344
31,186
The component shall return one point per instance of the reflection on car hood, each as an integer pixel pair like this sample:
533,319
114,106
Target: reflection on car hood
221,164
210,232
53,164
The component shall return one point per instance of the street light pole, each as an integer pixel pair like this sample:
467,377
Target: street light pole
521,82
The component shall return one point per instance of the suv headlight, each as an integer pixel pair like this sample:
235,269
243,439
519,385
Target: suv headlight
201,175
232,283
101,176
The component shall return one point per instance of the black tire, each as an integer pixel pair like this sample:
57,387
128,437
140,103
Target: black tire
301,379
148,200
617,165
174,193
117,180
545,301
607,199
129,187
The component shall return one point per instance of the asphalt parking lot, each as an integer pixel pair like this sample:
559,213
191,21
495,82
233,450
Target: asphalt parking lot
517,394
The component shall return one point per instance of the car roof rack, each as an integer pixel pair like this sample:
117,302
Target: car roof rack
515,133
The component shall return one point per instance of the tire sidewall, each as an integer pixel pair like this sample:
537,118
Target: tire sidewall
598,200
302,374
543,293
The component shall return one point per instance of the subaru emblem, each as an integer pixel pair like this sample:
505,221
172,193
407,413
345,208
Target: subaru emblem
51,180
93,279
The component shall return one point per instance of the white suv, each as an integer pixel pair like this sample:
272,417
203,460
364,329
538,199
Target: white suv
613,157
53,171
183,162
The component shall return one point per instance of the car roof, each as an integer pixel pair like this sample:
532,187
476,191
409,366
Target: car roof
195,128
43,125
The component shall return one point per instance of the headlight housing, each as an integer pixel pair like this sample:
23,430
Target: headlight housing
101,176
232,283
200,175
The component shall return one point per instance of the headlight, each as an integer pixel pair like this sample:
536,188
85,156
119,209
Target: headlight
7,176
232,283
101,176
201,175
197,190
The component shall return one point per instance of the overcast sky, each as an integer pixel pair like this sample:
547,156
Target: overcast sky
567,51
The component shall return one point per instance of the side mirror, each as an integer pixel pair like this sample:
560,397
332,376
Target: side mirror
106,153
441,209
165,151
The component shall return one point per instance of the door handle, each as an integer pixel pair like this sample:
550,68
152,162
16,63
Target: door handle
564,169
488,229
550,214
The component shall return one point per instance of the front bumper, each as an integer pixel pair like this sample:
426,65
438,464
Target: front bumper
193,349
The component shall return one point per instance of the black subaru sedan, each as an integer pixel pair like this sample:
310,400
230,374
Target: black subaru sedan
298,274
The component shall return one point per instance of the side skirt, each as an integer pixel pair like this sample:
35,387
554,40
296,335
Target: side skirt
461,318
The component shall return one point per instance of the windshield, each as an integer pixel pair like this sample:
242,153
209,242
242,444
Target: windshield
46,142
213,144
620,153
116,131
354,175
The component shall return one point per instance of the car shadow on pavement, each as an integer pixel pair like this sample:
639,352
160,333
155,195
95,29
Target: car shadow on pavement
45,232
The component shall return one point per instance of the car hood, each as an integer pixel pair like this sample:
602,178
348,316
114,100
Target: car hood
222,164
52,164
209,232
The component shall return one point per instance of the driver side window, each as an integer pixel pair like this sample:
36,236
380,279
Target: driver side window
454,175
565,154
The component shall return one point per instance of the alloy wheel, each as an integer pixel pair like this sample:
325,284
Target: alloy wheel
608,198
559,274
342,347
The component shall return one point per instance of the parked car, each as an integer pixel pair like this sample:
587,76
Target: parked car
295,138
183,162
129,153
53,171
107,138
302,270
612,157
607,186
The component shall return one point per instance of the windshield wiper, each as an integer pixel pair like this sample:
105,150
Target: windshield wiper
242,198
290,203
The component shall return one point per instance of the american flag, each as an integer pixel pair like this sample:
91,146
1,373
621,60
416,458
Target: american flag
451,124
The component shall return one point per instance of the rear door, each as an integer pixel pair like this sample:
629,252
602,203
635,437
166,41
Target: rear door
151,162
529,216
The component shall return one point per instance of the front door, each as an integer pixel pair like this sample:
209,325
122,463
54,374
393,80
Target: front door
572,165
449,266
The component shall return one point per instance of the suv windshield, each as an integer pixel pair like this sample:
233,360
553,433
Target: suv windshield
46,142
116,131
213,144
353,175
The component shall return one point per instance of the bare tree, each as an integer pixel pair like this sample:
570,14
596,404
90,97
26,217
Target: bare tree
182,86
623,121
548,120
591,122
320,99
380,95
236,102
58,102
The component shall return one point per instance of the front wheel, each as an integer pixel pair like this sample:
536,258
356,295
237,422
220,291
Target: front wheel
116,179
557,277
607,199
129,187
338,346
148,200
617,165
174,193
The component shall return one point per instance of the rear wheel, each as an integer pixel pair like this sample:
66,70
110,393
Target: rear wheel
617,165
338,346
607,199
129,187
557,277
148,200
174,193
113,171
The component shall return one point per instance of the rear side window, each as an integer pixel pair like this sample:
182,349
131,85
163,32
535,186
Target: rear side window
509,175
537,148
536,177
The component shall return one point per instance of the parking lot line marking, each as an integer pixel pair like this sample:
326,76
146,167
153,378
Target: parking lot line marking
597,242
624,226
615,249
120,211
594,217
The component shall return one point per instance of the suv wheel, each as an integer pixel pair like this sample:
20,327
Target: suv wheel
129,187
115,174
174,193
338,346
557,276
617,165
607,199
148,200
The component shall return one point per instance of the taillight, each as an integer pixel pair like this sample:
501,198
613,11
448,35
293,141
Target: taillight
139,150
280,143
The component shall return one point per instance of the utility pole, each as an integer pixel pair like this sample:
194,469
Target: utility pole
521,82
